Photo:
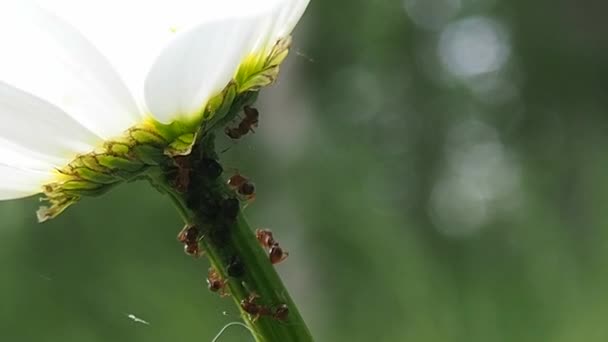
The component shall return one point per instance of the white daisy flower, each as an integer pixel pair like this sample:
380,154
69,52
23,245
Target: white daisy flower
94,92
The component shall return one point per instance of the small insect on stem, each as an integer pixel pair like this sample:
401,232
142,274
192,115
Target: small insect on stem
276,254
251,120
265,237
254,310
235,268
189,236
281,312
243,186
215,283
182,177
229,210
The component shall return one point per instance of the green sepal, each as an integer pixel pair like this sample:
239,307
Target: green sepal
261,79
118,148
229,95
58,205
214,103
119,163
250,66
91,175
259,71
147,137
220,104
181,146
90,162
148,154
279,52
92,192
80,185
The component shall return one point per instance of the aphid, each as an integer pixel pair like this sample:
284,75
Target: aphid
208,206
211,168
265,237
276,254
229,209
220,234
182,177
254,309
243,186
215,283
235,268
246,125
189,236
281,312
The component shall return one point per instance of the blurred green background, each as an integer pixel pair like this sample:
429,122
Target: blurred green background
436,169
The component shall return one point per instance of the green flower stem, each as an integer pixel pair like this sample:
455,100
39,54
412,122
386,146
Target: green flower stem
235,253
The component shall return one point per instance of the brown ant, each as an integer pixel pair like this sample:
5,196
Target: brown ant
242,186
246,125
281,312
265,237
215,283
189,236
256,310
276,254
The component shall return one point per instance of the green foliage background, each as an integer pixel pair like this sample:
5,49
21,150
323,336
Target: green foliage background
419,201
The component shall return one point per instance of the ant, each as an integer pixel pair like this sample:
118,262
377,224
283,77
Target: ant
256,310
281,312
189,236
243,186
265,237
246,125
275,252
215,283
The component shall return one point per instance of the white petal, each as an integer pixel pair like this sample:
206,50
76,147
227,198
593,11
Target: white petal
291,14
40,130
45,57
281,24
201,62
131,33
17,183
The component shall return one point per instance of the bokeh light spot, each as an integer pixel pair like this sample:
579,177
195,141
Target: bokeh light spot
480,180
457,208
473,46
